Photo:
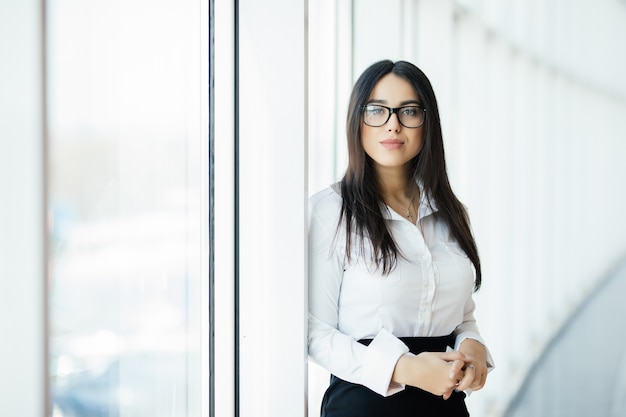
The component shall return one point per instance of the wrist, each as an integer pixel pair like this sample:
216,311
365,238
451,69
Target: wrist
473,349
403,370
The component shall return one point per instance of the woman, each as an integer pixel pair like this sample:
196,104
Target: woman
393,263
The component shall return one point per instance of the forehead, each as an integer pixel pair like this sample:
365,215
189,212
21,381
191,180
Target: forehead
393,90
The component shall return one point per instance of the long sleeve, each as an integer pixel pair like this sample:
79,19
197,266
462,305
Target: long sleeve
339,353
469,330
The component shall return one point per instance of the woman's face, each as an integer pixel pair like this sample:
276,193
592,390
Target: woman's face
392,145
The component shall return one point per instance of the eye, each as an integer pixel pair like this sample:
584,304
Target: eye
410,111
375,110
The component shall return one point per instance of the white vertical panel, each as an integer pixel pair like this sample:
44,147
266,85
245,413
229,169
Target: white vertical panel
272,208
561,208
344,80
494,312
330,79
465,157
378,33
435,20
522,200
22,271
224,207
542,192
322,85
199,399
409,35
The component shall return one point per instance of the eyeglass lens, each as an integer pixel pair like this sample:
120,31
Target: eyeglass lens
409,116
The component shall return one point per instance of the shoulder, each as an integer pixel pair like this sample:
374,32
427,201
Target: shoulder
325,205
327,199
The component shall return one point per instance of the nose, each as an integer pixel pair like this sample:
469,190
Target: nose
393,124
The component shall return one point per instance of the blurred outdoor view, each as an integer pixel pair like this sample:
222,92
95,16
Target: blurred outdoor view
125,209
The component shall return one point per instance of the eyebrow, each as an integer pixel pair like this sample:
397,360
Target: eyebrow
402,103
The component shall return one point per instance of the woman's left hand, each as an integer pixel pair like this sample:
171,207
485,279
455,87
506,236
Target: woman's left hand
475,366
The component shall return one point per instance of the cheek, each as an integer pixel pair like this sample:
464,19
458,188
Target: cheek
418,143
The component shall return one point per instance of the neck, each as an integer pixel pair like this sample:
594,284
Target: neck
398,191
395,183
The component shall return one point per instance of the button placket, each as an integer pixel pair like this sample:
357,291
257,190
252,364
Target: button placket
423,260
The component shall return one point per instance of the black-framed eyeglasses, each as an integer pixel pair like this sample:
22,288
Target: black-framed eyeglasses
376,115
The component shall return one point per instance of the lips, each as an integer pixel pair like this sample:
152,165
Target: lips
392,143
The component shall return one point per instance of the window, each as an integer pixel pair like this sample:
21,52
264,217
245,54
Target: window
127,207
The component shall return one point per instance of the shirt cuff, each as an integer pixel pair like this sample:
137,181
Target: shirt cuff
473,335
380,360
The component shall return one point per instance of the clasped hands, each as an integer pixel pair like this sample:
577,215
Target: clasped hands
470,370
441,373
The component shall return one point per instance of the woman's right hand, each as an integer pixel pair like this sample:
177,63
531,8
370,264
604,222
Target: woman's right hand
430,371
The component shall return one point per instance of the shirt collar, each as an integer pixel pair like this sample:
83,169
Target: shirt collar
426,207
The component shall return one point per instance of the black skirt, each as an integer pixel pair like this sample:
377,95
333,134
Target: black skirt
345,399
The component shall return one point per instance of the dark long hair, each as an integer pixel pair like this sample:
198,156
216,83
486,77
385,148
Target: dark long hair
361,208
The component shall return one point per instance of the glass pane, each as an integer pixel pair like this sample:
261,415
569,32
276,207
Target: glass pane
126,208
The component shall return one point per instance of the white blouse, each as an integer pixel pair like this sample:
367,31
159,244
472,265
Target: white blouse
429,293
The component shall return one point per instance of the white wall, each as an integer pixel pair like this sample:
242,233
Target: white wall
532,100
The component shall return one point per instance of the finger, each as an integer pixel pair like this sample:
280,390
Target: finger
480,379
456,370
449,393
453,356
469,379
